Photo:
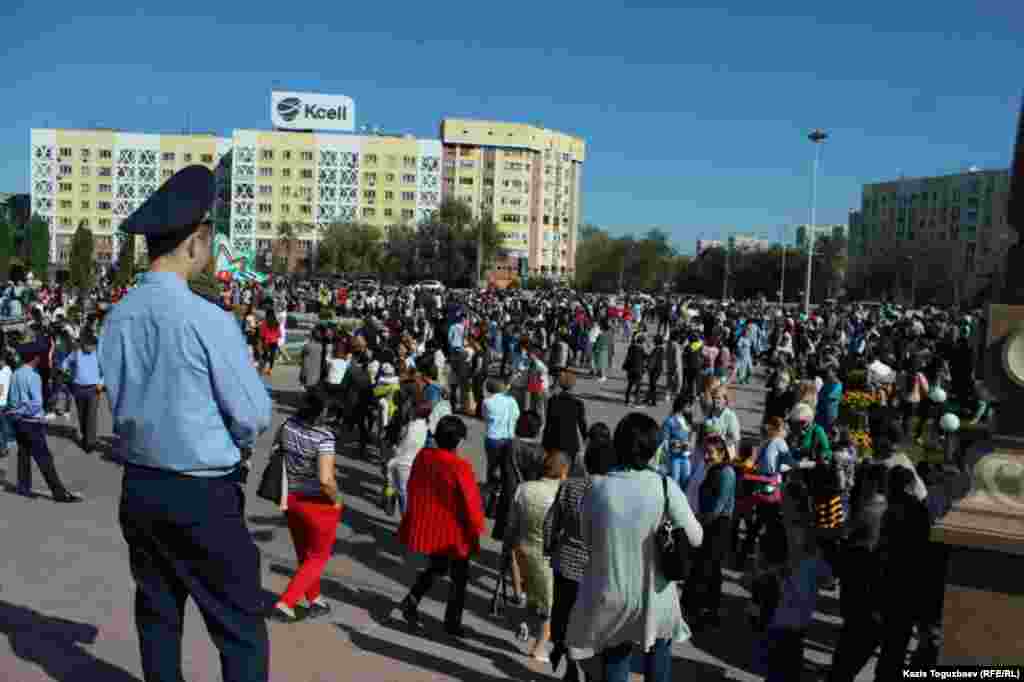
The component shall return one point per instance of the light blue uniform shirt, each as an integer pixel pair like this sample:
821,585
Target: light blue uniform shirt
183,392
84,368
457,336
25,398
501,412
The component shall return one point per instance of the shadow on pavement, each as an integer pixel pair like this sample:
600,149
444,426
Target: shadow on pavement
54,644
421,659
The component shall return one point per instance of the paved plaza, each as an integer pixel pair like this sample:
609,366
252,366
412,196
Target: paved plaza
66,592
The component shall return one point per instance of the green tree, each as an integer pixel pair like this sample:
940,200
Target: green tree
352,248
125,262
6,248
39,247
83,259
286,239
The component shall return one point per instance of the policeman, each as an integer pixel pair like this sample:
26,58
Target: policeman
25,409
187,404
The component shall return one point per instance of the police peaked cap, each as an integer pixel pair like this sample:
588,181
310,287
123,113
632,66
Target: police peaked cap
181,202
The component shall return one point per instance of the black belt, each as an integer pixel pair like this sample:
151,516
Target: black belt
236,474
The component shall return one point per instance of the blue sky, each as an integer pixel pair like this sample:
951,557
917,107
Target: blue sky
695,118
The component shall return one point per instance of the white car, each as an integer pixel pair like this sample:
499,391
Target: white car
431,285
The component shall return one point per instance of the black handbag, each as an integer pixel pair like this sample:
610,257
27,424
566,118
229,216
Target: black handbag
272,483
672,543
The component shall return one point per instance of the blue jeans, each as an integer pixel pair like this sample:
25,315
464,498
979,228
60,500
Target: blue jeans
657,664
680,469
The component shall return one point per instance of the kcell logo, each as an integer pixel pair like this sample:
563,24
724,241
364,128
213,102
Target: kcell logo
323,113
289,108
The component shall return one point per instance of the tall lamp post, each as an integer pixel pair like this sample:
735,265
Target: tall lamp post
782,279
817,136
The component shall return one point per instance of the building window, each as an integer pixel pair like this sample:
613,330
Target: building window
267,172
285,209
370,194
286,192
307,156
465,181
267,154
305,209
409,179
103,205
188,157
65,221
408,196
266,226
388,196
84,189
370,158
266,189
65,170
85,205
85,172
106,154
65,151
409,161
369,213
390,177
266,208
286,172
167,156
64,203
286,155
388,212
104,222
307,174
104,171
84,153
104,189
206,158
65,187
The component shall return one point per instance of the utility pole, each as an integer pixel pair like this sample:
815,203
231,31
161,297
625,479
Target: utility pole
782,282
817,137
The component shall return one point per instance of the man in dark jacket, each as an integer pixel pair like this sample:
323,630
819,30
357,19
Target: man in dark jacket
655,366
356,392
566,420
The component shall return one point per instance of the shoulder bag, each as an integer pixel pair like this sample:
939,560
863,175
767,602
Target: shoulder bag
273,485
672,543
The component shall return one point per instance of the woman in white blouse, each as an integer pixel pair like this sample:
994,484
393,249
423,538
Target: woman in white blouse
624,598
413,440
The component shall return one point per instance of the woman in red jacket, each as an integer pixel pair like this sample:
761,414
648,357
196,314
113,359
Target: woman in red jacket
270,336
444,519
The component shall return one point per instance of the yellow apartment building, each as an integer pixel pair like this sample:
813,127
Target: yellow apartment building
97,178
310,180
528,180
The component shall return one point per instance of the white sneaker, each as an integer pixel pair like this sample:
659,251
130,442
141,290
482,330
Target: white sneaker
51,415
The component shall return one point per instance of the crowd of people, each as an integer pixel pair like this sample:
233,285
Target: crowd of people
792,503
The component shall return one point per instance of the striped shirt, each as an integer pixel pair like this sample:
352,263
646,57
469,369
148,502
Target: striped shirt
563,536
303,446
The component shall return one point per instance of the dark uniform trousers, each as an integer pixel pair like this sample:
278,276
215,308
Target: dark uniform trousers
187,537
86,404
31,438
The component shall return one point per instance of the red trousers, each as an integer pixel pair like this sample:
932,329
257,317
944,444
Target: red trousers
313,522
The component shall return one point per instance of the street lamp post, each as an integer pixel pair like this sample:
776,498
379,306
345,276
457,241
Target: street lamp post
782,279
817,136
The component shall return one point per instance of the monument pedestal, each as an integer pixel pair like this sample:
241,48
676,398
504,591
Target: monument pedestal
984,599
